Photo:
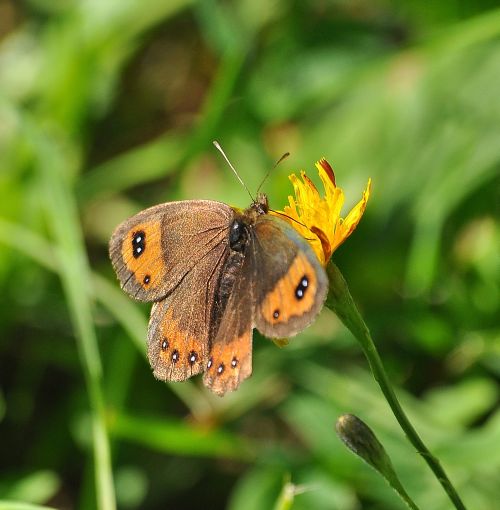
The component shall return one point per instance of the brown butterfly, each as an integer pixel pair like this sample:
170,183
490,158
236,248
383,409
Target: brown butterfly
213,273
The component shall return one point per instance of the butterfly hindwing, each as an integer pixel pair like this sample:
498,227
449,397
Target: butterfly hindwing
292,284
230,359
155,249
182,325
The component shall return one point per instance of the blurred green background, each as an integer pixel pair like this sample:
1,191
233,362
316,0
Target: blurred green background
109,106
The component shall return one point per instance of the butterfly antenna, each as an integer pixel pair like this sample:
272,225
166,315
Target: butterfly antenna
271,169
295,221
219,148
290,218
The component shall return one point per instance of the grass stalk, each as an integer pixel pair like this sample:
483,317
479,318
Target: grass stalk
74,272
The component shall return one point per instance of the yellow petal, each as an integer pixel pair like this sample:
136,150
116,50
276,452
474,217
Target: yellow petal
317,218
349,224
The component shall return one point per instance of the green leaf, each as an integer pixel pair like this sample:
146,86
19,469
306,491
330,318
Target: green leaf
172,436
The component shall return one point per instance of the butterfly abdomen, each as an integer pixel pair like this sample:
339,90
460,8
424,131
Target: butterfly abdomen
238,240
229,274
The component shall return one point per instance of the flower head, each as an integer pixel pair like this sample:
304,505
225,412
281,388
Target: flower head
318,218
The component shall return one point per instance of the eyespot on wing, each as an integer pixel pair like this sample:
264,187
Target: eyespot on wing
293,295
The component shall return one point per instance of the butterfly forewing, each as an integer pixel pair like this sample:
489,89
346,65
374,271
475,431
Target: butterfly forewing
155,249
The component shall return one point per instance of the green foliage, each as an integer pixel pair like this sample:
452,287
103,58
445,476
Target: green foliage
107,107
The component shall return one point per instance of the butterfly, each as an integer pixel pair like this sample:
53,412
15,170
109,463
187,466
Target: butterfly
213,273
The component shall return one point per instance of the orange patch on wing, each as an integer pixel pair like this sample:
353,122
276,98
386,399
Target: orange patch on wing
293,295
180,354
148,267
229,364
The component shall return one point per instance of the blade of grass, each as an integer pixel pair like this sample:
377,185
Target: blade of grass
175,437
148,162
18,505
215,103
74,272
475,30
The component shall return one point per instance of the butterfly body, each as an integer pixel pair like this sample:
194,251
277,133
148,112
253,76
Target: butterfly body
213,273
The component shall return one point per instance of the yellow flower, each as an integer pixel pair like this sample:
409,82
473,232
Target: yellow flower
317,218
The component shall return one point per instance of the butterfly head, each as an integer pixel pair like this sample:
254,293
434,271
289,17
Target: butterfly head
258,207
260,204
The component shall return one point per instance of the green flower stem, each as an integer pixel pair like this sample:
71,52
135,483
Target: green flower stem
341,302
